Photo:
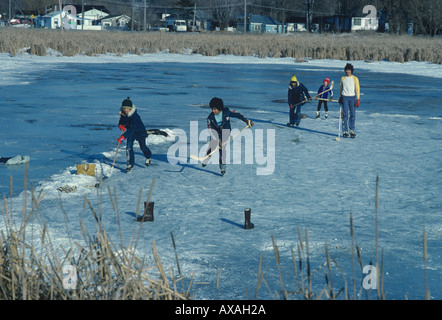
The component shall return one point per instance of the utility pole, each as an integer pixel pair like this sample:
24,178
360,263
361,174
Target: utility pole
308,14
144,26
194,18
311,12
245,16
82,15
60,24
132,19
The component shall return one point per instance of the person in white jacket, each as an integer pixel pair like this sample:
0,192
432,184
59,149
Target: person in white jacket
349,98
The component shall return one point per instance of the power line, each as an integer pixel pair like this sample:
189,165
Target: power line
140,5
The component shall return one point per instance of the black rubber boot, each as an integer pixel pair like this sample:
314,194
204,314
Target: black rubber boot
148,212
248,224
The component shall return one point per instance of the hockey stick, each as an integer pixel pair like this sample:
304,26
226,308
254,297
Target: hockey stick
98,184
329,89
327,100
115,158
339,123
218,147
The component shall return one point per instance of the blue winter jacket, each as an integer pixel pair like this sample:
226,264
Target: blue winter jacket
225,124
326,95
133,124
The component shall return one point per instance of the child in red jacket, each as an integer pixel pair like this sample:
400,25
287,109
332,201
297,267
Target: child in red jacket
326,95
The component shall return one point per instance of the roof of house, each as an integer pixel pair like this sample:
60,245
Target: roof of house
91,7
117,16
57,13
263,19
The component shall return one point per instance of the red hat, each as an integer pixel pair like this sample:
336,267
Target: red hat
327,80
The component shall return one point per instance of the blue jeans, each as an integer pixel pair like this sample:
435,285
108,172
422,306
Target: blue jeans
295,114
130,150
348,104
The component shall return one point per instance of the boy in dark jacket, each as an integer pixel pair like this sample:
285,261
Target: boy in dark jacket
218,123
296,94
132,129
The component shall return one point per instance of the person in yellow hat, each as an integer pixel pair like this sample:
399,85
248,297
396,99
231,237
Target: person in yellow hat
297,95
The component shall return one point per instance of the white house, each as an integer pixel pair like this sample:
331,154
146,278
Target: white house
56,19
72,18
92,18
364,24
119,22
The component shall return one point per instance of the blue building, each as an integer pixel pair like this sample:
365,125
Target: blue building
259,24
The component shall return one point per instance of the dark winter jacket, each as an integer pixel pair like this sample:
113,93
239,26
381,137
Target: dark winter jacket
297,93
326,95
225,124
133,124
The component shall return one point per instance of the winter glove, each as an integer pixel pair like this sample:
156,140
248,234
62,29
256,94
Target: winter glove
122,128
330,100
358,103
220,143
291,106
249,123
120,139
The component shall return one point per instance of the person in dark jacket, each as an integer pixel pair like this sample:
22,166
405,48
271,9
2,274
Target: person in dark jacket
132,129
296,97
218,123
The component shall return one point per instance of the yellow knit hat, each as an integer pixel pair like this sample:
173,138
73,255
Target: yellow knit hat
294,79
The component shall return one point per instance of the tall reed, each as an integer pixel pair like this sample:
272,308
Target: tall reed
301,46
32,267
304,275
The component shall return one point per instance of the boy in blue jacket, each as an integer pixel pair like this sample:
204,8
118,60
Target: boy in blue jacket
326,95
218,123
132,129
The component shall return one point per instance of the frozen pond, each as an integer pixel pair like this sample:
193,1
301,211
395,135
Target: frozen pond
64,114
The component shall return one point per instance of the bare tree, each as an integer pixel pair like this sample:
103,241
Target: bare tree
224,12
395,14
426,15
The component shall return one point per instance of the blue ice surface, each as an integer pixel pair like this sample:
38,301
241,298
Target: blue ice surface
68,114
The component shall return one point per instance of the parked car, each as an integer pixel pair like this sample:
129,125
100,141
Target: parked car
176,25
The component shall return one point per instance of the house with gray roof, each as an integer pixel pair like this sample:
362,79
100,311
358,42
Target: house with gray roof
259,24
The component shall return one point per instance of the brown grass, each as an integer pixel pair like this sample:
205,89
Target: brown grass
357,46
